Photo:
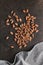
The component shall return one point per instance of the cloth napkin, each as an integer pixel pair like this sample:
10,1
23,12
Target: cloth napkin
32,57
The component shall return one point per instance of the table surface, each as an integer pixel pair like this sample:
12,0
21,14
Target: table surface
36,9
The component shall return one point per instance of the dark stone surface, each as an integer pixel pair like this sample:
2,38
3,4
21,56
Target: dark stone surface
36,9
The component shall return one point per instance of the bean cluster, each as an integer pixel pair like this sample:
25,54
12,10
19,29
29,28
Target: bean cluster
25,31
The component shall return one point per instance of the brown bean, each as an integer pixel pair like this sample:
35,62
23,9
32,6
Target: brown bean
12,21
30,38
16,28
27,11
9,16
13,25
7,24
20,47
15,39
16,33
23,11
25,45
12,46
18,42
7,37
36,25
16,24
7,20
37,31
12,12
17,20
29,15
16,16
33,35
11,33
20,20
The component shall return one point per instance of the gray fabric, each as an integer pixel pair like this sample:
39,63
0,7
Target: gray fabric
33,57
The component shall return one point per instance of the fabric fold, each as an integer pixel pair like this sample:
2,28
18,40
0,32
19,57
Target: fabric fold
33,57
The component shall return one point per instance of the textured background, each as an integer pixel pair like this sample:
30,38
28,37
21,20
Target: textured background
36,9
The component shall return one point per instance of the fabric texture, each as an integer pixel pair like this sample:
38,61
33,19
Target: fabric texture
33,57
